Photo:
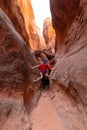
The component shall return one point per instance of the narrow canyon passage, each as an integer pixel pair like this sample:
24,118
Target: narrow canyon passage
44,116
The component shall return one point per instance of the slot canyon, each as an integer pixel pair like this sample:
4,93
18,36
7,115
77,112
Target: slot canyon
62,105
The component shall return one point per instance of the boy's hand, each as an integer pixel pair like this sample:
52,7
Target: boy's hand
34,81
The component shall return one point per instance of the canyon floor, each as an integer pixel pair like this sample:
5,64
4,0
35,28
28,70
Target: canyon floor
45,116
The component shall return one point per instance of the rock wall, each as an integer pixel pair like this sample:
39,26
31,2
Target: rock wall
14,13
69,21
16,78
17,11
49,33
35,39
63,14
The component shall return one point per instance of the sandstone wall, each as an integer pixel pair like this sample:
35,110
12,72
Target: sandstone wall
16,78
49,33
69,21
14,13
22,16
35,39
63,14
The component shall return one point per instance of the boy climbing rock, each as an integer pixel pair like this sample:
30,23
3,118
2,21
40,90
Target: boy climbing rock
45,69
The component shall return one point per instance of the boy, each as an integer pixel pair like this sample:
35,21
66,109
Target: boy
44,70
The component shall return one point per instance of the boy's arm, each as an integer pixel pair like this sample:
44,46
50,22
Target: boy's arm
35,66
48,67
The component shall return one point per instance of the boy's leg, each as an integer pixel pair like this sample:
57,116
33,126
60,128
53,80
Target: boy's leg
46,75
39,78
45,82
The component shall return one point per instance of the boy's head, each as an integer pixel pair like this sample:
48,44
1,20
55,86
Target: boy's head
45,61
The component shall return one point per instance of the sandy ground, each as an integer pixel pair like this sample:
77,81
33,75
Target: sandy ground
44,116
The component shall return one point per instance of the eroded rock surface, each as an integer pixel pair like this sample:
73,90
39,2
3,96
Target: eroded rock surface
35,39
13,11
63,14
49,33
16,77
70,71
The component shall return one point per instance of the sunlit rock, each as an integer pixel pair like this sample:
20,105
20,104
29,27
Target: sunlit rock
22,16
33,31
36,40
49,33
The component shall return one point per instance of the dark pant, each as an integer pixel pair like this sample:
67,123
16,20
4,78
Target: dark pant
45,81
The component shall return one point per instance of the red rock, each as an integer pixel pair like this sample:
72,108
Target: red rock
49,33
35,39
70,71
16,77
14,13
63,14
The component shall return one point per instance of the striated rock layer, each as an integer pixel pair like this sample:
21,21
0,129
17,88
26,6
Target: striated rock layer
70,23
16,78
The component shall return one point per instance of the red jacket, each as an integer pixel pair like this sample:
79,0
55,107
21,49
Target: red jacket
44,68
